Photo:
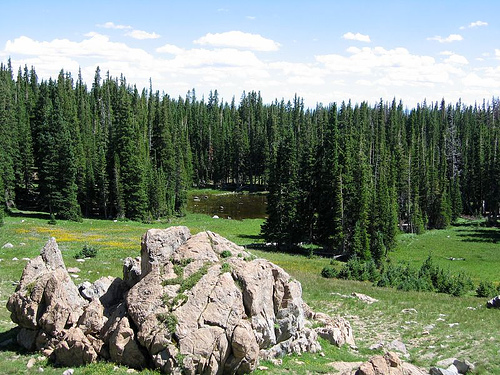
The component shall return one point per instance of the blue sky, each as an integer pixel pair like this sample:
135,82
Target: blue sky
324,51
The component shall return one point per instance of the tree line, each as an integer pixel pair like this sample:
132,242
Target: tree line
344,176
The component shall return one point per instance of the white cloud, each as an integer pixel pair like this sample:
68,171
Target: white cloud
238,39
251,18
497,53
141,34
450,38
358,73
393,67
456,59
359,37
474,25
111,25
170,48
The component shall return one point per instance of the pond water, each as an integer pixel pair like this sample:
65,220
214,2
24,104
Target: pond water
236,206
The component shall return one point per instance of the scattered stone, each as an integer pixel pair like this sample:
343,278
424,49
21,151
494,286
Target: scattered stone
364,298
74,270
409,311
22,243
40,369
398,346
471,308
262,368
451,325
377,346
15,258
430,327
74,276
452,370
8,245
452,258
215,217
69,371
27,259
31,363
493,303
386,364
440,320
80,260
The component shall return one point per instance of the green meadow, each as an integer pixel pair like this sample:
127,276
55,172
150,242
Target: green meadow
432,326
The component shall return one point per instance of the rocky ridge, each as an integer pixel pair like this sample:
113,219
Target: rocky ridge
190,303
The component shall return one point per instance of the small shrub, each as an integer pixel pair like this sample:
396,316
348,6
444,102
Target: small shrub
52,220
169,320
329,272
191,281
179,300
88,251
225,254
226,267
486,289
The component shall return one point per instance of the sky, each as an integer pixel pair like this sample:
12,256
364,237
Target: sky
323,51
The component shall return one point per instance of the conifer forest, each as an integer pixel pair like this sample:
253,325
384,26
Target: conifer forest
345,176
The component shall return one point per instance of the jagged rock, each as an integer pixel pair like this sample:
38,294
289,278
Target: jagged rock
74,349
123,349
336,330
131,271
46,297
387,364
109,290
192,304
493,303
158,245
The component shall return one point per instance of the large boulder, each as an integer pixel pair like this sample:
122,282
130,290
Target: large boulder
190,304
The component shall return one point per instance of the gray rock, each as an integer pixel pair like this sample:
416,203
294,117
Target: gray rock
131,271
494,302
398,346
8,245
158,245
452,370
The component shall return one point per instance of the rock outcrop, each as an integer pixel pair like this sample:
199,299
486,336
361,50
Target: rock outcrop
190,303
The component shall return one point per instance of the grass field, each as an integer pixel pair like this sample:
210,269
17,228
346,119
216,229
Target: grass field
429,330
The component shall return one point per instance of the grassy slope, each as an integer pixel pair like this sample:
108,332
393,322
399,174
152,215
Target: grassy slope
475,337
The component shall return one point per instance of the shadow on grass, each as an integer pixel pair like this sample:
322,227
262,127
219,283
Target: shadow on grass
251,236
30,214
481,235
8,342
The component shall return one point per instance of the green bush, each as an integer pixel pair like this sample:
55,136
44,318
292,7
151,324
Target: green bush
225,254
428,277
52,220
88,251
486,289
329,272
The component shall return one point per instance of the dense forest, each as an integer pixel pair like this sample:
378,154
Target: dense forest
344,176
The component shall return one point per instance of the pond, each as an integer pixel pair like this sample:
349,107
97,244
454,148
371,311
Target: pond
226,205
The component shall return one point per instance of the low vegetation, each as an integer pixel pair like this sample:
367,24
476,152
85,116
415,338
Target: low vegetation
433,326
429,277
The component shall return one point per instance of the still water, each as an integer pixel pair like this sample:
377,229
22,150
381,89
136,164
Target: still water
236,206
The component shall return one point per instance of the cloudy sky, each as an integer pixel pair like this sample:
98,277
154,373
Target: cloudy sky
324,51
